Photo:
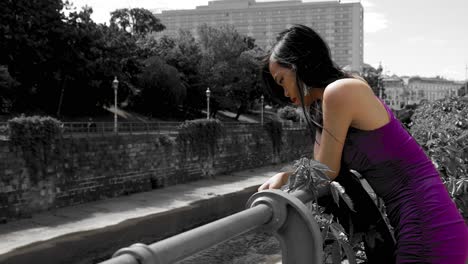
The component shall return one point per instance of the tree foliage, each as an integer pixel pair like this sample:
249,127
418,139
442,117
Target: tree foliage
64,64
374,78
223,43
136,21
29,31
230,67
92,56
183,52
162,90
56,60
7,90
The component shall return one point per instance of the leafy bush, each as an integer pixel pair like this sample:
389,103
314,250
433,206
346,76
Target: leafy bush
27,131
36,137
288,113
441,128
200,136
164,140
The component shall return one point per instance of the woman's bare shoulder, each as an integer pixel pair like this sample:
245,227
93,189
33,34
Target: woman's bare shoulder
356,98
348,90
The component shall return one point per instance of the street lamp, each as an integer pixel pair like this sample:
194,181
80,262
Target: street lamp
378,87
261,100
466,80
115,85
208,92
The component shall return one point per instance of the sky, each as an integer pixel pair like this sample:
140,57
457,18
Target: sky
427,38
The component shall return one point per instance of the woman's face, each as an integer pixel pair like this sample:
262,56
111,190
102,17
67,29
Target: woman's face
286,78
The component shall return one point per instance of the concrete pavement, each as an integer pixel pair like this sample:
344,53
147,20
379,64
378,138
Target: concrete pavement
61,231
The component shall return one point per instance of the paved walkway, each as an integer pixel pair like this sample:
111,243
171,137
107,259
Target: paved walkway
100,214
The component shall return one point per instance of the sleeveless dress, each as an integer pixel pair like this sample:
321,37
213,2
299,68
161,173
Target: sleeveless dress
428,227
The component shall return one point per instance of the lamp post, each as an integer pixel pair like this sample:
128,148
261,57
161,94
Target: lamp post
380,88
261,100
208,92
115,85
466,80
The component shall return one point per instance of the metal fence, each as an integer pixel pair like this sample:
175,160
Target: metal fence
107,128
122,127
284,214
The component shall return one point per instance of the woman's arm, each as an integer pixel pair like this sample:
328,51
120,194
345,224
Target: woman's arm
338,108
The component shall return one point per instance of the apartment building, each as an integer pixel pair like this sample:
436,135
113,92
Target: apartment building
430,89
402,91
340,24
394,92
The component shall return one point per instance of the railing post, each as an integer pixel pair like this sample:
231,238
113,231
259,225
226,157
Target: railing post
294,225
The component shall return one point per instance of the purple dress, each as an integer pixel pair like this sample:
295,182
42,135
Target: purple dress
428,226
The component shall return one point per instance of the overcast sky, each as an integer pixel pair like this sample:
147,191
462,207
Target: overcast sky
409,37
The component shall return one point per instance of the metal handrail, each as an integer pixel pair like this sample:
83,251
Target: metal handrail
186,244
282,213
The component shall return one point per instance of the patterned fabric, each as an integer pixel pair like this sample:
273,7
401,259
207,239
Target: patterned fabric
428,226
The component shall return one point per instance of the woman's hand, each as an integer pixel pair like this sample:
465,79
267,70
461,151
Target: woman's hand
276,181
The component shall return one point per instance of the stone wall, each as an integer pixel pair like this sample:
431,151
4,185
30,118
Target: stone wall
77,170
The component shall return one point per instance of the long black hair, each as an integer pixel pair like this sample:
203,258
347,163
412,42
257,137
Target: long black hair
302,50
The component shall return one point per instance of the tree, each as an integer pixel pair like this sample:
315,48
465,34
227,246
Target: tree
183,53
185,56
162,91
61,63
85,60
223,43
229,67
8,86
136,21
28,32
88,58
246,86
374,78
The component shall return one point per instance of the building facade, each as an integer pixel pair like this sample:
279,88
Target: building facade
430,89
412,90
394,92
340,24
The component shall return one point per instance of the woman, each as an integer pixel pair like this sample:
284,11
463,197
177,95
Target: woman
355,128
